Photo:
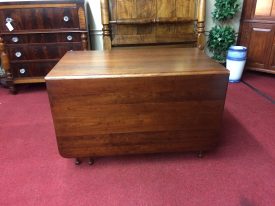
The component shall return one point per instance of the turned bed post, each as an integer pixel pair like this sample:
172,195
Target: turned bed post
83,25
84,41
201,23
5,64
105,22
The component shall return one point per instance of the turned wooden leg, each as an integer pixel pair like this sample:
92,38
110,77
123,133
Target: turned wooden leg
3,82
5,64
84,41
77,161
200,154
12,88
91,161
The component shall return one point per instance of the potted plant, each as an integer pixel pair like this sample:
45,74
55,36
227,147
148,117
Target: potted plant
222,36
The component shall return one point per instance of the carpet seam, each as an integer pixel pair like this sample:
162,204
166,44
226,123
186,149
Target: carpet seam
259,92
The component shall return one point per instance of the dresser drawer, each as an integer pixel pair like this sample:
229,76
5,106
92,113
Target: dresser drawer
38,51
37,34
15,39
34,69
39,18
42,38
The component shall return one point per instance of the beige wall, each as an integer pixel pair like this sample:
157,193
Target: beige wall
95,21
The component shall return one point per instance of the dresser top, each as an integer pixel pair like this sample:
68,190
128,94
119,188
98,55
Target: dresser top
38,1
134,63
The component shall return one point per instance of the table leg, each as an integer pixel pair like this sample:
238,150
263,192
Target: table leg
91,161
200,154
77,161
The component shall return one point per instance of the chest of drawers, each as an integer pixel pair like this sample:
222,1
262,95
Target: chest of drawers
34,35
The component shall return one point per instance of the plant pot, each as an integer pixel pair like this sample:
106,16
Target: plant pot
235,62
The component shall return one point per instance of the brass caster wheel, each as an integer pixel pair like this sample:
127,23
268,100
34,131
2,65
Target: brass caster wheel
13,90
77,161
91,161
200,154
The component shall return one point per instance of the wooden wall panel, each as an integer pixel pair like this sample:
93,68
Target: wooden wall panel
146,8
126,9
185,8
187,28
166,8
155,11
145,29
163,29
126,30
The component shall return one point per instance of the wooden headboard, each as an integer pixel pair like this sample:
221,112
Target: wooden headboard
149,22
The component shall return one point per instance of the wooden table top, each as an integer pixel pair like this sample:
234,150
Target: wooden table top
134,63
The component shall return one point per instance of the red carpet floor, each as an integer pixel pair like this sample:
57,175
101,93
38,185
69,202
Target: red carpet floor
241,171
264,82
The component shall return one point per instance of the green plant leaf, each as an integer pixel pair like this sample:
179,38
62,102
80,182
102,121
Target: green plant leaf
220,39
225,9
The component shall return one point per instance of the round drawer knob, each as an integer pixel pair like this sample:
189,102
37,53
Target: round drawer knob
9,20
15,39
69,38
18,54
66,18
22,71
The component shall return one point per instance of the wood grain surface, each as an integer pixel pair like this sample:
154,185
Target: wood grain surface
153,61
257,33
136,101
144,22
43,31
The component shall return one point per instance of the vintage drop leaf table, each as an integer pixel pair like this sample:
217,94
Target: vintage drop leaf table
135,101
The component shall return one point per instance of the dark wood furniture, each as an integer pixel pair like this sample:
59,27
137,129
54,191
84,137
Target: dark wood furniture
34,35
134,101
146,100
257,32
153,22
